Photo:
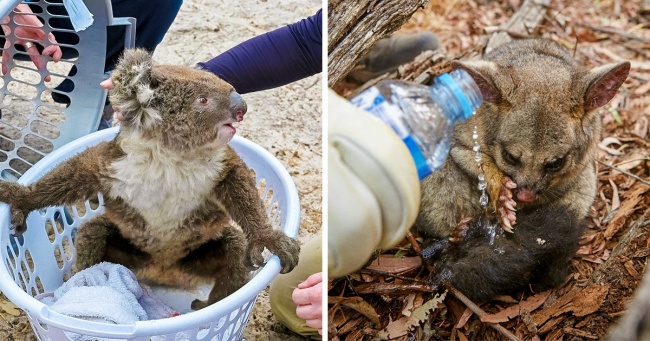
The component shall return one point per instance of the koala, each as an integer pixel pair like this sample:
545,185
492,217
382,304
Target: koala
171,185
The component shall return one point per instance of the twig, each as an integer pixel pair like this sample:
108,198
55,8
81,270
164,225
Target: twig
388,274
418,250
480,313
642,180
616,31
414,243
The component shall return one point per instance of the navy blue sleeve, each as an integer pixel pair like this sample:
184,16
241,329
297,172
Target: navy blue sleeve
272,59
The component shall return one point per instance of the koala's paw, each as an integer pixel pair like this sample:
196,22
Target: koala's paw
254,258
279,244
18,221
198,304
506,205
287,249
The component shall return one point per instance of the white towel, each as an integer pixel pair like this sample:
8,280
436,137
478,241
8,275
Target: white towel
107,292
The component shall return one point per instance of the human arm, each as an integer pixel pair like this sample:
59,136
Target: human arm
272,59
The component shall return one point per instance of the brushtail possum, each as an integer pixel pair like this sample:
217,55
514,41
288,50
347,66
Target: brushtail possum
537,133
482,260
171,185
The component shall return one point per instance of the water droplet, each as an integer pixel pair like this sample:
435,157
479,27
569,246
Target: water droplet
482,185
483,200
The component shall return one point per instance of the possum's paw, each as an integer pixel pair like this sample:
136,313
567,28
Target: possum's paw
279,244
459,233
506,205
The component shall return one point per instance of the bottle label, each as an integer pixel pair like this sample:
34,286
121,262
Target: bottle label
372,101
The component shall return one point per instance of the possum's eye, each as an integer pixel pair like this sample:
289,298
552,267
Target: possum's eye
509,158
554,165
202,100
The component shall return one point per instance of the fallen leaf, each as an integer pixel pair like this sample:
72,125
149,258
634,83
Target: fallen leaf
642,89
10,308
389,264
358,304
391,289
402,325
604,145
579,301
408,305
632,160
627,207
464,318
616,201
529,305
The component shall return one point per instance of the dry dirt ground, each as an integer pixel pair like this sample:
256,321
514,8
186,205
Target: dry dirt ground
286,121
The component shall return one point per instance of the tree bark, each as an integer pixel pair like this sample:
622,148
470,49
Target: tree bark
355,26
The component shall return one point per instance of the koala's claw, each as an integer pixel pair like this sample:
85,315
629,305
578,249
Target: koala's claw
279,244
255,259
506,205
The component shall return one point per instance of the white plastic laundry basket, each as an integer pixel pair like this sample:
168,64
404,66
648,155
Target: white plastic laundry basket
41,260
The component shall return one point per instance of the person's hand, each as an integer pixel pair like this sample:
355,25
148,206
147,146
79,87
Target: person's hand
107,84
24,34
308,297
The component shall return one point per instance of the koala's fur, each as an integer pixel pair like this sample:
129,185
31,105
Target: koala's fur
170,182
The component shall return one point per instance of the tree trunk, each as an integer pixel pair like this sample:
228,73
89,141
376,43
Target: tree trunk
355,26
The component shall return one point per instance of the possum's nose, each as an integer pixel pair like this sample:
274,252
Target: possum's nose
526,195
237,106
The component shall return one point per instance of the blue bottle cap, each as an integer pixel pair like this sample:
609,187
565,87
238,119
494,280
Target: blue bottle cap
447,81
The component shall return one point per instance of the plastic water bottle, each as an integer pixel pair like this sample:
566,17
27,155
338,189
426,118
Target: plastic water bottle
423,116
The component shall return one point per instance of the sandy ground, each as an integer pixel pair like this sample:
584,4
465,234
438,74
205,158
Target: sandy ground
286,121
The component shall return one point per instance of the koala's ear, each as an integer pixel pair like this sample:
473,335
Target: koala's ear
603,82
482,72
133,88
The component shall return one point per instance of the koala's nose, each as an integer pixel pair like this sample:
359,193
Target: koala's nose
237,106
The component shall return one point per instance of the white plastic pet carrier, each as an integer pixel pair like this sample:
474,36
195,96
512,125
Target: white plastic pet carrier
37,117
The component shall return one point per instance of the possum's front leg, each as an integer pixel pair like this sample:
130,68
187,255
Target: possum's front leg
74,180
499,188
499,185
239,196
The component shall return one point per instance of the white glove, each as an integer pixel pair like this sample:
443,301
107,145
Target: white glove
374,191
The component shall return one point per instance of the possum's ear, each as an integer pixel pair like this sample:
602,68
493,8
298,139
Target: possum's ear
603,83
482,72
133,88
